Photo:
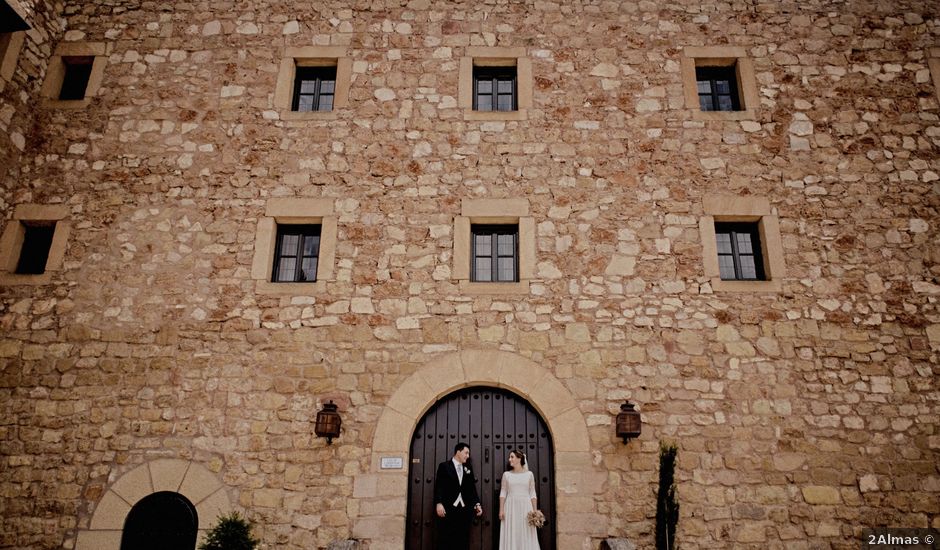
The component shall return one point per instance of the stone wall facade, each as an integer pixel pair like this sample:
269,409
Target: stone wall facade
804,410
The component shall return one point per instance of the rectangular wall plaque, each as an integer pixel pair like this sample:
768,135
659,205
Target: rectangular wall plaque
392,463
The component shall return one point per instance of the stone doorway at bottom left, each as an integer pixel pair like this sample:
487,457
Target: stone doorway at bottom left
194,481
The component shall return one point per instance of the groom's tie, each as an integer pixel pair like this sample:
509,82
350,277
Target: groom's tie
459,502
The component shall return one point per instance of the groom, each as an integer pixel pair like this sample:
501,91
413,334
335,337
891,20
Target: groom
455,495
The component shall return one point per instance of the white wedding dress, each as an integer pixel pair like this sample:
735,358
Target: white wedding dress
515,533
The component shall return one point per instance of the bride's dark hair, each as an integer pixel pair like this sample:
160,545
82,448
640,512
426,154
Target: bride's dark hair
520,455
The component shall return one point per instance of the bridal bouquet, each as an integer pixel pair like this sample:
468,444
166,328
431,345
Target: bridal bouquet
536,519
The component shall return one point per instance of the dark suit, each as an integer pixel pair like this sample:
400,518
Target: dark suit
453,531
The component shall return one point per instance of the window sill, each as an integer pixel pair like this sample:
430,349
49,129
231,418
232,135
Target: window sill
307,115
290,289
747,114
14,279
719,285
473,288
485,116
66,103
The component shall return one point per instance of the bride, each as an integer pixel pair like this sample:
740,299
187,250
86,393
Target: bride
516,500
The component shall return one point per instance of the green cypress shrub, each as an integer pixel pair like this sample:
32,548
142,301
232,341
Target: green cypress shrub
667,504
232,532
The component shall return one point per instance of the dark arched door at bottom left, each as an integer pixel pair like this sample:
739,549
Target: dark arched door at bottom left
161,521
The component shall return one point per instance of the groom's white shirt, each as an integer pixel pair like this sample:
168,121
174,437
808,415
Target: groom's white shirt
459,502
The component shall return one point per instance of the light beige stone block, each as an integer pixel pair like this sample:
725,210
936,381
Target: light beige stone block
290,208
820,494
215,505
10,54
492,210
110,513
575,541
385,544
412,397
392,484
522,377
527,257
476,289
933,62
569,431
199,483
365,485
553,400
461,265
98,540
933,334
444,375
621,265
134,485
393,432
735,207
380,528
573,460
384,507
168,473
594,525
481,366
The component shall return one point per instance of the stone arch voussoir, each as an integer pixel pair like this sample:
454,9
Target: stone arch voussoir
193,481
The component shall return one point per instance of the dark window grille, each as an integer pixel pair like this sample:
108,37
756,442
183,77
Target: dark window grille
296,254
314,89
718,88
495,253
77,73
35,250
494,89
739,252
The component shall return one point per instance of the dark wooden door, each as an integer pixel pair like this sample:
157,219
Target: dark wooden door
161,521
492,422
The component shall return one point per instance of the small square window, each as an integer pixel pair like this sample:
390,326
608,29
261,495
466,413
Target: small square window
297,253
495,253
494,89
495,83
295,246
739,252
33,243
718,88
313,83
314,89
77,74
494,246
74,75
37,240
742,250
719,83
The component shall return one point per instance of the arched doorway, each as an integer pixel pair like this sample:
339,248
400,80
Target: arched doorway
493,422
161,521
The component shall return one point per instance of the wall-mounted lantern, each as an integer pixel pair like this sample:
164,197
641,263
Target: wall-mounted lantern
629,424
328,422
